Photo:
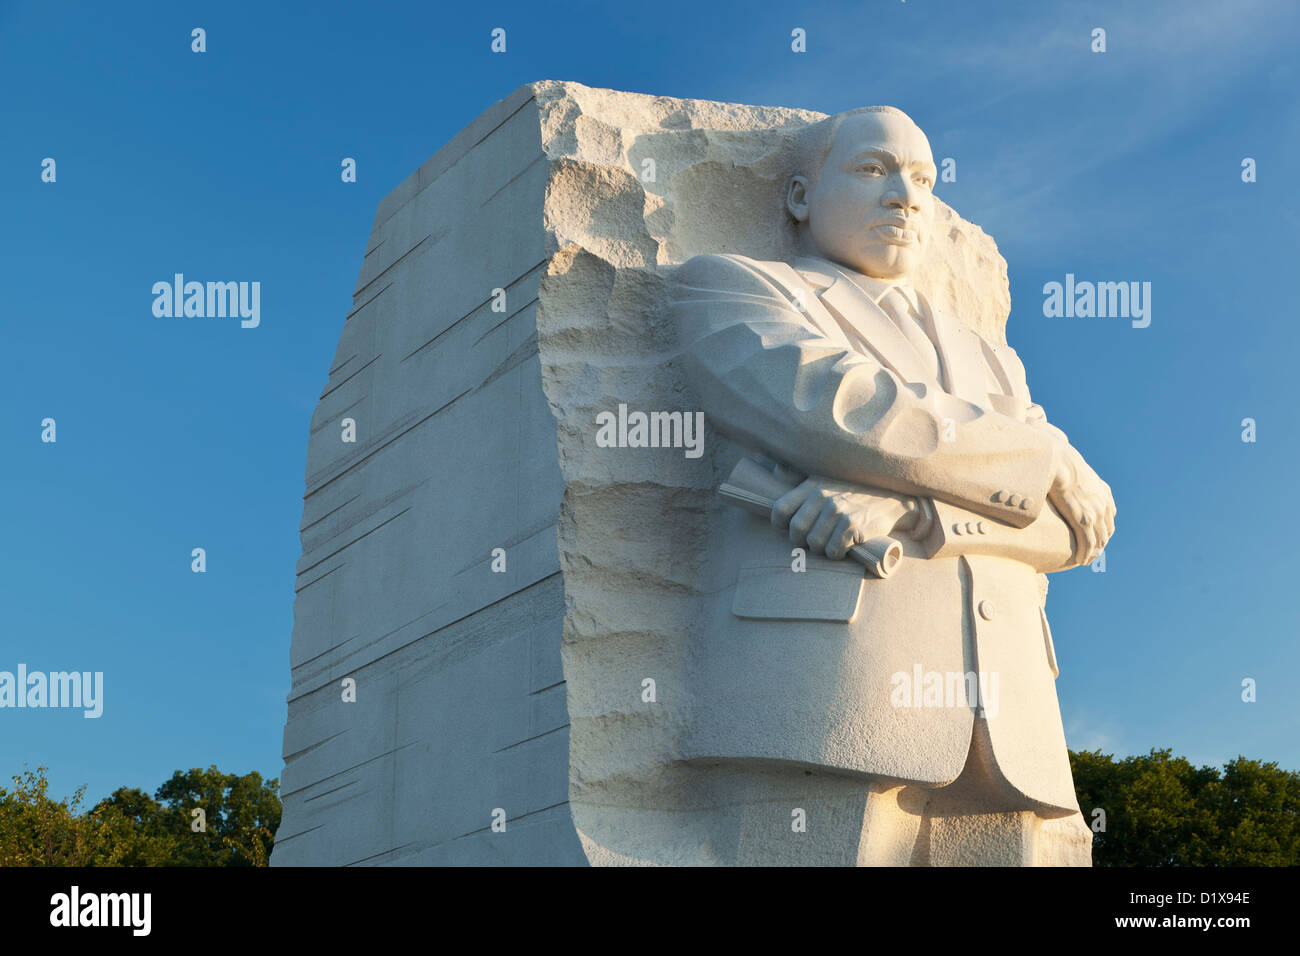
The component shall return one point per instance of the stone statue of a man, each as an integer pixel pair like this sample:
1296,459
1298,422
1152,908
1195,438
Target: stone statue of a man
907,719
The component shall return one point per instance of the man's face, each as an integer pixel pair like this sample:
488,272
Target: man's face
871,205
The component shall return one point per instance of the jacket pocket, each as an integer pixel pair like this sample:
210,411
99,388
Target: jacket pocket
827,591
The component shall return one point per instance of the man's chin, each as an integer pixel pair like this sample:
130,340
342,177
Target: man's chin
887,267
883,260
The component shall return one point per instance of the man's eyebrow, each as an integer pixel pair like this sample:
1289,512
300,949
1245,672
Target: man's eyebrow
876,151
892,156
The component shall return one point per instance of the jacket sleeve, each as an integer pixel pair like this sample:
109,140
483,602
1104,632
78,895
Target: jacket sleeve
1010,363
778,378
1047,545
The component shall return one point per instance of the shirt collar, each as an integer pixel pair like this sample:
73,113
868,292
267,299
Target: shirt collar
876,289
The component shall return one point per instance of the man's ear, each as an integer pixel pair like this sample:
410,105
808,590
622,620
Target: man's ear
796,198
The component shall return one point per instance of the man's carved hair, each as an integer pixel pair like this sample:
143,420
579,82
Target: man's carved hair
815,140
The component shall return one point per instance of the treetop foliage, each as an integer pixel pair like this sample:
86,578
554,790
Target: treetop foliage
235,825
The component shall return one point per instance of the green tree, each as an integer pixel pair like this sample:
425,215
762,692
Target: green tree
36,830
240,817
141,835
1258,807
1162,811
130,828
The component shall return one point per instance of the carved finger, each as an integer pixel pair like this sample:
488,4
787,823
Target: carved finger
1082,536
1090,539
804,519
1073,509
823,527
841,539
787,505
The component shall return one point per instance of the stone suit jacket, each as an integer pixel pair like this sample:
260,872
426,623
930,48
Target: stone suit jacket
794,363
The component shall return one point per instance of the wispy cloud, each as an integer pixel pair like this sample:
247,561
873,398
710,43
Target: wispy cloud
1167,66
1024,98
1084,731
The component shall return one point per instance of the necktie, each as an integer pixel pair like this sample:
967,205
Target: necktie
899,308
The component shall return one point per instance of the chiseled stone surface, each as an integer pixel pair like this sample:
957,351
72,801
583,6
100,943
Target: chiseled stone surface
460,697
525,690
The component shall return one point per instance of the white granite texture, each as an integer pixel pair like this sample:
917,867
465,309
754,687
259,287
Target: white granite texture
523,690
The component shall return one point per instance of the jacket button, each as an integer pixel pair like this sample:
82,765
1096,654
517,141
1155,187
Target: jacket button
979,526
1026,504
1013,501
987,610
970,527
957,528
999,495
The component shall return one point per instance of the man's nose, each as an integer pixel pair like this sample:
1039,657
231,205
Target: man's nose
903,194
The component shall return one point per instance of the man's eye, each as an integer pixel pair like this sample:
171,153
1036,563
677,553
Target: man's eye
873,168
924,181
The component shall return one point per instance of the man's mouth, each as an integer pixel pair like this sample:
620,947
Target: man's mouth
899,235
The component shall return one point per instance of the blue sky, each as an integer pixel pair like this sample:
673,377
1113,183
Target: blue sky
176,434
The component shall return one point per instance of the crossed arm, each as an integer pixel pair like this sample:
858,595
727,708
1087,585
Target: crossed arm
829,517
778,379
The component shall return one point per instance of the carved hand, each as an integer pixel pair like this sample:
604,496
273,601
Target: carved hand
1085,501
829,517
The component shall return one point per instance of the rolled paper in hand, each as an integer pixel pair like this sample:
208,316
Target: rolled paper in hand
754,488
878,555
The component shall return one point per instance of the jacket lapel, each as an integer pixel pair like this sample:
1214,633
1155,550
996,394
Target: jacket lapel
965,362
866,323
965,373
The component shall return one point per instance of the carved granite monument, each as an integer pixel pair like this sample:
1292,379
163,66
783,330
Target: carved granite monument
542,618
